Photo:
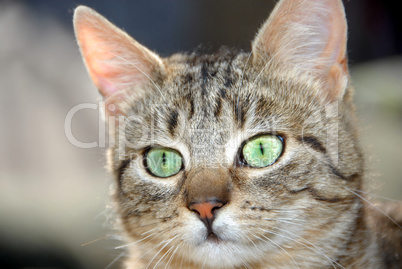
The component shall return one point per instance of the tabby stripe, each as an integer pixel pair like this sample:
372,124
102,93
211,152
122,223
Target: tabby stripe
316,196
313,142
239,114
337,173
121,170
228,81
218,108
219,101
192,109
172,122
222,93
204,75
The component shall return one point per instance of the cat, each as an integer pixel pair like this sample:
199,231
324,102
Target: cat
236,159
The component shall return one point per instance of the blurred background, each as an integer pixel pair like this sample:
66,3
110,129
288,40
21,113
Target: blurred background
53,195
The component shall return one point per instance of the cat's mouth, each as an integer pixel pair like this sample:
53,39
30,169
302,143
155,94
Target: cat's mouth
213,238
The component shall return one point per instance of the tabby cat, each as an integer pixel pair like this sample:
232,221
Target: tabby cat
240,160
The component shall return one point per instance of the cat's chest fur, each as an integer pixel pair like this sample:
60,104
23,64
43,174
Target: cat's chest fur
239,160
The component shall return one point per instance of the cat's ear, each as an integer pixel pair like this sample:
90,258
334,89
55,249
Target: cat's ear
115,61
308,37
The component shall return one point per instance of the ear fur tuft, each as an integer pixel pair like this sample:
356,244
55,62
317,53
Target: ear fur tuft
115,61
308,37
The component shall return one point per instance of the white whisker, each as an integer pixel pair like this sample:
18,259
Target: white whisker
375,195
133,243
163,256
115,260
270,240
376,207
171,257
157,253
315,248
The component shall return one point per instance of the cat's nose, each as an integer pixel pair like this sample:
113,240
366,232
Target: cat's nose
207,191
206,210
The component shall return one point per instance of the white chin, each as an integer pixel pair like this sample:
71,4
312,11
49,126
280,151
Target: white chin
220,254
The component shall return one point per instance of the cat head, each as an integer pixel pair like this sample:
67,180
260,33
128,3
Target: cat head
231,158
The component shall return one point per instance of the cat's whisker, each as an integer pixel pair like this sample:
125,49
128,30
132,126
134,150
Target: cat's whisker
315,248
149,231
292,210
136,242
95,240
145,225
167,242
163,256
150,236
376,207
171,256
181,262
376,195
277,245
155,247
285,221
115,260
252,242
243,261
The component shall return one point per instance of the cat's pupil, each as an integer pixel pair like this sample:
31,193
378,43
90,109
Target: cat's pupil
262,149
164,159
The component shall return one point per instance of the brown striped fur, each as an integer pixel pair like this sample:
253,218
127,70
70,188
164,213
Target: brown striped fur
303,211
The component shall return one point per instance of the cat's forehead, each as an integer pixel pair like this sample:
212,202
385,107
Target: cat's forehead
207,101
205,71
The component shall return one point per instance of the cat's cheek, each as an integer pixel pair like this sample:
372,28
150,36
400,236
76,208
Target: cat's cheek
193,230
227,228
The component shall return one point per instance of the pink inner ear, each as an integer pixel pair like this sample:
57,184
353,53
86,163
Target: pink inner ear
308,36
335,49
114,60
96,56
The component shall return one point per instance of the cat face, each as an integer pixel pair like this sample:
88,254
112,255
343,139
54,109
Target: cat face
234,158
299,194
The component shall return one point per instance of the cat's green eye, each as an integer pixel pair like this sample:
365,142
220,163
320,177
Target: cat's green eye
163,162
262,150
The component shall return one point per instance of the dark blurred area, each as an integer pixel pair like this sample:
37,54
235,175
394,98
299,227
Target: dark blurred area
375,26
53,195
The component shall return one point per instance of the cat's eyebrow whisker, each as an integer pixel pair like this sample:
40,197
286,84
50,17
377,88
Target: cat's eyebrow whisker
376,207
139,69
315,248
284,250
239,83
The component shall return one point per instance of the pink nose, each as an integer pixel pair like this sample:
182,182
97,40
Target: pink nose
206,209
